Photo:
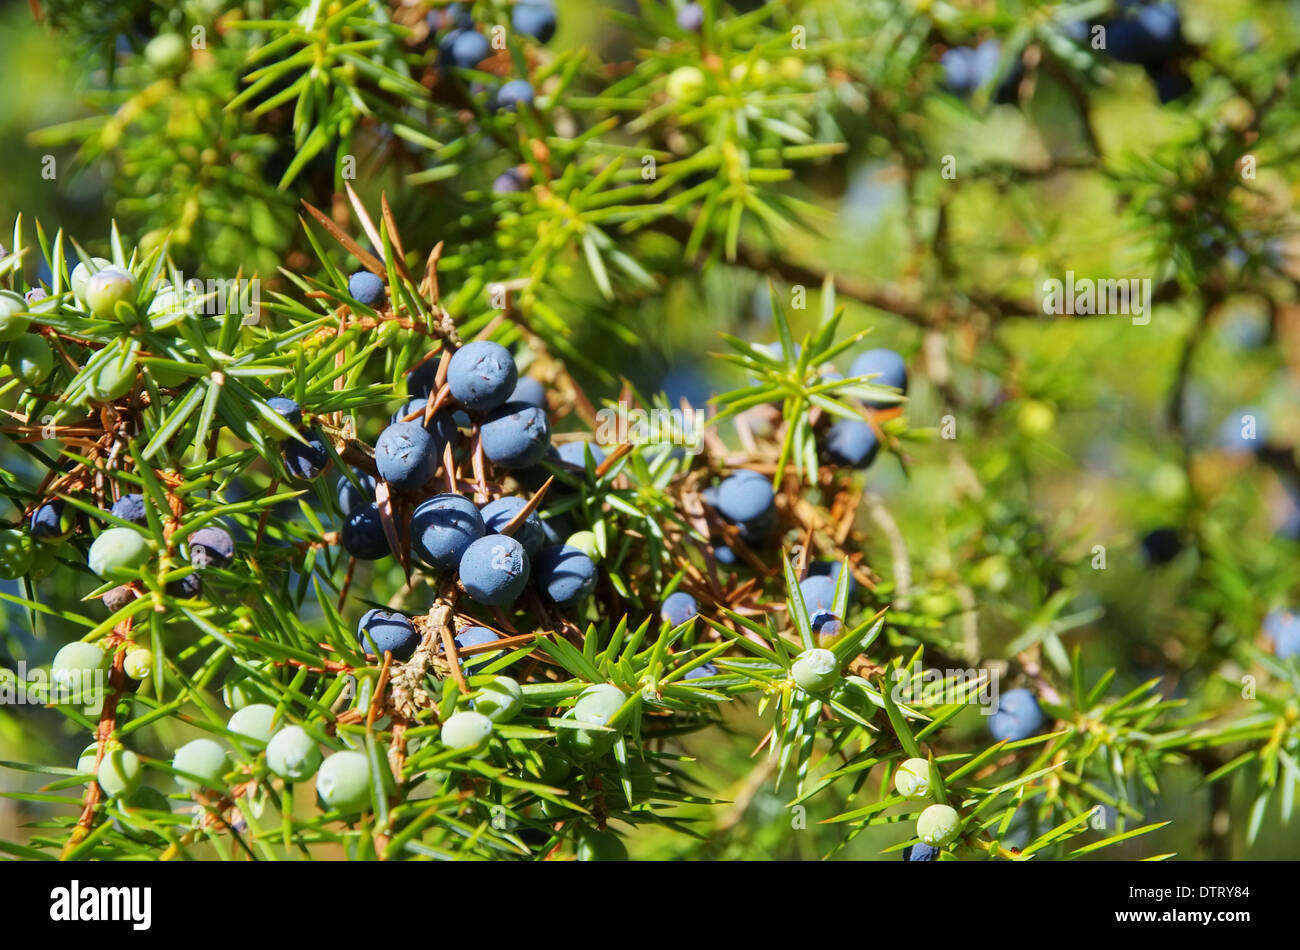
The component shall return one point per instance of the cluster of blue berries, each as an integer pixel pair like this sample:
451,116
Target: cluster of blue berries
854,442
463,45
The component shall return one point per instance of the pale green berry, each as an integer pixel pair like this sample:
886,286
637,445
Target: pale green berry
81,275
114,374
601,846
138,663
255,722
77,670
685,82
815,669
205,761
467,731
293,755
344,782
500,700
118,549
12,323
30,359
938,826
584,541
16,554
145,798
596,706
119,772
912,780
107,288
167,52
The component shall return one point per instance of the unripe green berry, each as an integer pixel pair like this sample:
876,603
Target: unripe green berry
29,358
203,759
255,723
912,780
105,289
118,549
685,82
145,798
601,846
344,782
16,554
81,275
598,703
584,541
293,755
938,826
500,700
469,731
12,323
815,669
76,669
138,663
119,772
167,53
114,375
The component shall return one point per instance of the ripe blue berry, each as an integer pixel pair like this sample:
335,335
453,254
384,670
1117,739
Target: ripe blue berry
441,425
832,570
691,17
293,755
467,731
363,533
938,826
530,391
513,94
1017,717
443,527
724,555
888,369
348,494
509,182
534,19
497,514
920,852
211,546
118,549
825,625
474,637
1283,629
366,288
420,381
380,631
287,408
564,574
406,455
12,323
818,593
481,375
305,461
745,496
255,722
1161,546
130,508
678,607
344,782
701,671
53,521
851,442
815,669
516,435
470,48
494,570
574,454
501,700
204,763
190,586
